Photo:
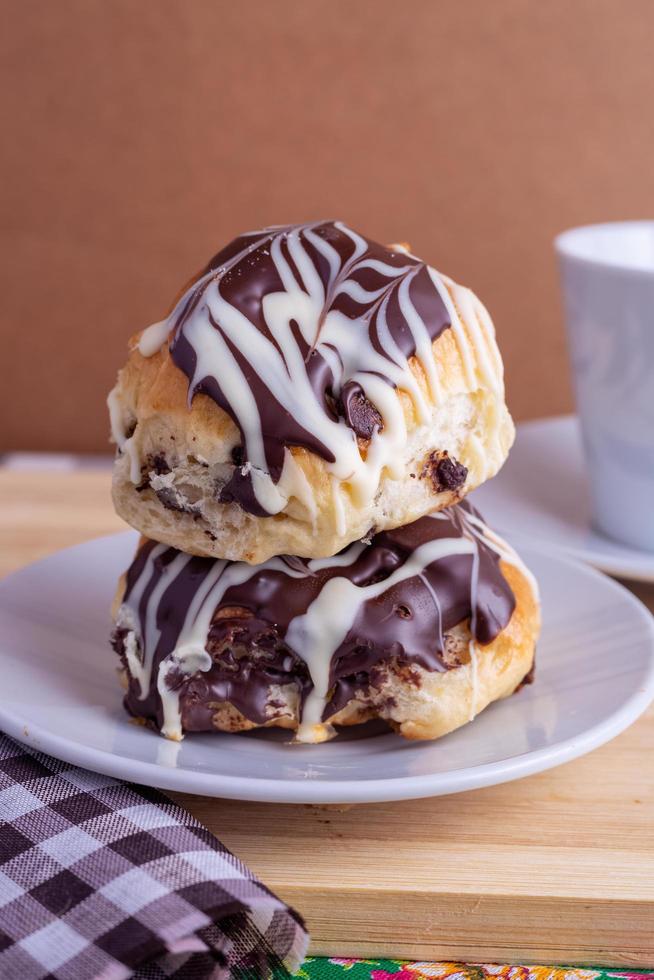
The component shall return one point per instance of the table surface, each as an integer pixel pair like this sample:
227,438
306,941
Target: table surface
556,868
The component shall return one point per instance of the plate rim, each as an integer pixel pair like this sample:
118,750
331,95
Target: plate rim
266,790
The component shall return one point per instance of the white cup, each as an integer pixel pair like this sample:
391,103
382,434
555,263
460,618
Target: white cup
607,273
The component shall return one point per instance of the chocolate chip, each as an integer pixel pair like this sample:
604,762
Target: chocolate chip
404,612
211,535
358,411
157,464
145,480
172,500
238,455
445,472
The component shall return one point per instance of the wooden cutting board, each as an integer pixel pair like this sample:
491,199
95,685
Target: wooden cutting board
555,868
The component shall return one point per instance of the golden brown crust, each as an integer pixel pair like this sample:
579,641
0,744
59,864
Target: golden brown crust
448,701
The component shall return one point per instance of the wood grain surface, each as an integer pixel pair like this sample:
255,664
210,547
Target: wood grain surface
558,867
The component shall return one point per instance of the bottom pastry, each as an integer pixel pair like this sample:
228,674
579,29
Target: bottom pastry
422,626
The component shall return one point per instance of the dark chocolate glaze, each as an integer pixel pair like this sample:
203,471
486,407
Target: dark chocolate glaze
245,272
247,640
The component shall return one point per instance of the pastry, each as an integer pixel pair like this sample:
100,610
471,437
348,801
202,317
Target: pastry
422,626
309,388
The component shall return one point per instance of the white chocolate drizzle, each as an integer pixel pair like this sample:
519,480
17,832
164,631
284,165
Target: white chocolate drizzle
338,300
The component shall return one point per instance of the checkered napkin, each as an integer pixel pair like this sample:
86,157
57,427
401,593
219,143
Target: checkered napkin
100,880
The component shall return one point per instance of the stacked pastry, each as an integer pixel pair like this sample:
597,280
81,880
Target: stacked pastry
295,442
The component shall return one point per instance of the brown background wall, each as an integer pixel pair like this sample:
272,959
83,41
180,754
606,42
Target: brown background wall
140,135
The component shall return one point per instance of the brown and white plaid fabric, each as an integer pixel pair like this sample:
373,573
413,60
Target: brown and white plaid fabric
101,880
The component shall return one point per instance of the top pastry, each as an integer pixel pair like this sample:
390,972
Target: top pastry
310,387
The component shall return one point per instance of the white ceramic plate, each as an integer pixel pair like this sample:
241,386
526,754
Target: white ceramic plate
541,495
595,675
